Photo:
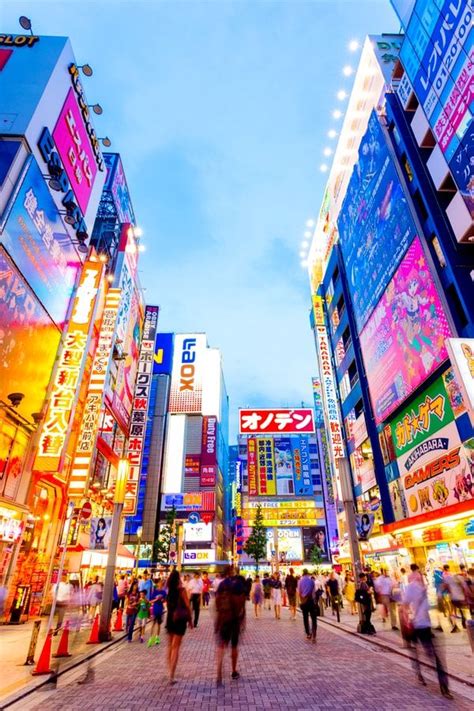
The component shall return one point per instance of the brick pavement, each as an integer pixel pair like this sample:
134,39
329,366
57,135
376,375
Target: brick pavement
280,670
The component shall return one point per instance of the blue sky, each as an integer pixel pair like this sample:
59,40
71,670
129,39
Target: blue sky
220,110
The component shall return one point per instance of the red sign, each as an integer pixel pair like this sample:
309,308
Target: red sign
86,510
252,465
277,421
208,475
207,517
209,440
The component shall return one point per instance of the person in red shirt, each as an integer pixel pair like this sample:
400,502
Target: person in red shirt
206,589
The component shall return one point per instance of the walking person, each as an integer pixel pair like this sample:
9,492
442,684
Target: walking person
230,619
63,590
383,587
454,585
306,590
364,598
256,595
276,594
158,601
267,591
178,618
143,614
291,585
195,589
334,593
131,609
122,587
415,600
206,589
349,592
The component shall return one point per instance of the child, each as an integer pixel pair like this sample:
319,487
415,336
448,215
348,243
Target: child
143,613
158,598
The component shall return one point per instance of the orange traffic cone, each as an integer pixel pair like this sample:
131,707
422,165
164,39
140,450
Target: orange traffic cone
94,638
44,662
118,627
62,650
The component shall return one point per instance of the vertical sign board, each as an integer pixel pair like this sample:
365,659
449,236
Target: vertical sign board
252,466
95,395
141,400
68,374
330,402
461,353
186,377
209,451
266,475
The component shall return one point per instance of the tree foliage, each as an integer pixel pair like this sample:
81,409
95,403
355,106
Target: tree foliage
256,544
162,545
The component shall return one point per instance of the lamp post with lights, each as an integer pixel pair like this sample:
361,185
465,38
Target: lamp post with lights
119,498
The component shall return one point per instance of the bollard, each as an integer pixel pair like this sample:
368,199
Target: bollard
30,659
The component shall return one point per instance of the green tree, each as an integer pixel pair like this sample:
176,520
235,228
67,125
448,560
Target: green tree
162,545
256,544
316,556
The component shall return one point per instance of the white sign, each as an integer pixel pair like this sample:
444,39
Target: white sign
197,532
461,354
198,557
186,376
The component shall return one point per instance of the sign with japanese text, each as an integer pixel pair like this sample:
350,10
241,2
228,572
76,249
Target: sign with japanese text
252,466
318,310
302,466
54,430
192,465
318,402
283,420
194,501
95,394
289,516
403,342
266,474
461,353
75,150
427,414
138,419
209,441
208,475
116,183
186,378
37,241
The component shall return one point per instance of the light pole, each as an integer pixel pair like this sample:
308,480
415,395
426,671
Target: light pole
119,498
137,548
67,526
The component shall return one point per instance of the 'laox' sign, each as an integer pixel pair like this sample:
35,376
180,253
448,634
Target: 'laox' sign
186,379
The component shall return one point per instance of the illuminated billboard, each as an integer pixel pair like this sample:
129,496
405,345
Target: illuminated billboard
68,375
375,224
116,184
266,470
285,482
315,537
37,241
290,548
186,378
404,339
252,466
208,470
163,361
284,513
281,420
28,339
190,501
301,466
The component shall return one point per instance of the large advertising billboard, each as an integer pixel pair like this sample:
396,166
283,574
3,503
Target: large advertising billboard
285,483
37,241
293,512
289,545
28,339
314,537
186,378
281,420
461,352
116,183
404,339
266,475
375,224
301,466
75,150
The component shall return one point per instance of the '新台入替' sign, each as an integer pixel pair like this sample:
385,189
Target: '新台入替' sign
276,421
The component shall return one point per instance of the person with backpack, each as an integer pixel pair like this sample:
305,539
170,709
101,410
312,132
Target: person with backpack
230,618
306,591
364,598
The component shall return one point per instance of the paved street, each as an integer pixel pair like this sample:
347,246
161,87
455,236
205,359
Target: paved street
279,668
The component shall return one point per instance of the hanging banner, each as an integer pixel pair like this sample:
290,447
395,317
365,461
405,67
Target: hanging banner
62,402
252,466
266,467
138,420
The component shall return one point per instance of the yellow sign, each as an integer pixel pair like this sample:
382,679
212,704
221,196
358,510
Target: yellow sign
318,310
301,504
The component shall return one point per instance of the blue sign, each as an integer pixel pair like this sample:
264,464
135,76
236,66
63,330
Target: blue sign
375,223
37,241
194,517
462,168
303,483
163,362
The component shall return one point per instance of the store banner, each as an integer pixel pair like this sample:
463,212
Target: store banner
192,465
100,531
315,537
461,353
116,184
436,473
69,372
208,475
284,466
375,223
163,362
266,476
252,466
193,501
187,373
209,441
36,239
404,339
427,414
318,403
301,466
141,401
283,420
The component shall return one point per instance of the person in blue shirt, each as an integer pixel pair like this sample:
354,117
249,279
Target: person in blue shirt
146,584
158,599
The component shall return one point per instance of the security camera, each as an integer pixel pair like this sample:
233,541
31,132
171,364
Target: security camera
15,398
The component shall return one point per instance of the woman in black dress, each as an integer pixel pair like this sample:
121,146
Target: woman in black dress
178,617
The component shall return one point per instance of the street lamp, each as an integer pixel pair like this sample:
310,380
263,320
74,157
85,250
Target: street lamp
137,548
119,498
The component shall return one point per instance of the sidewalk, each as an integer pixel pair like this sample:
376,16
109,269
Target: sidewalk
14,644
459,657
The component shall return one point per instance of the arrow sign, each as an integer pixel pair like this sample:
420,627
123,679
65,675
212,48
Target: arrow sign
194,517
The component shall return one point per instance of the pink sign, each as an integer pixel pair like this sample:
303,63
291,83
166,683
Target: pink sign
74,147
404,339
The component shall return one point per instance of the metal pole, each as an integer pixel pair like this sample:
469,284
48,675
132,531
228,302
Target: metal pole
348,501
179,552
69,513
275,547
107,595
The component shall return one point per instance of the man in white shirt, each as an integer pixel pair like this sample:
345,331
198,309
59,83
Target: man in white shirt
194,588
62,592
383,587
415,601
